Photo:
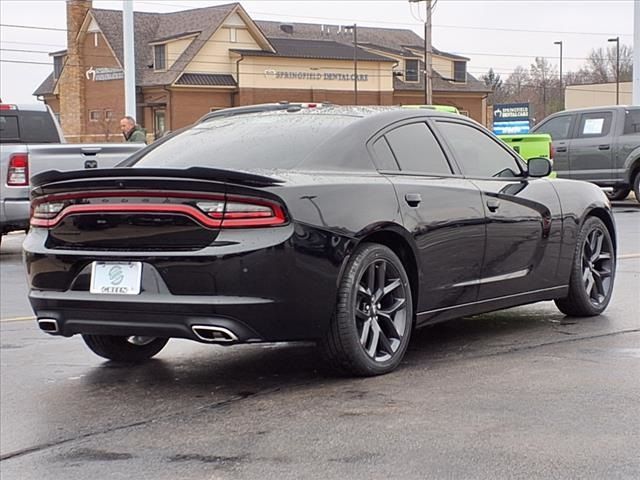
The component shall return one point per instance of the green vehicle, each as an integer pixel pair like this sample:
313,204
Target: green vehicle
531,145
439,108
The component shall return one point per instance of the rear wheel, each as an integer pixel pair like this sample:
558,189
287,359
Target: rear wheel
636,186
132,349
592,274
618,193
372,322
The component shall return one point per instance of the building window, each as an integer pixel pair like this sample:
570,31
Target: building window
95,115
233,35
411,70
459,71
57,66
159,57
108,115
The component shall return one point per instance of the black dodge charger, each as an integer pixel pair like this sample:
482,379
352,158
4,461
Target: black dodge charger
349,227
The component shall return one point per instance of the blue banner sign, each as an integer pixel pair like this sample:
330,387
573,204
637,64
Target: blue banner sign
511,118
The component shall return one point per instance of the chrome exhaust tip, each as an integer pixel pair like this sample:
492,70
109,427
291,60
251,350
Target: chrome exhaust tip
49,325
211,334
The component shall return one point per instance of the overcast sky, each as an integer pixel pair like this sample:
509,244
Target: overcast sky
492,33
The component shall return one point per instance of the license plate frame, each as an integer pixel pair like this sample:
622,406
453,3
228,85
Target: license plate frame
116,278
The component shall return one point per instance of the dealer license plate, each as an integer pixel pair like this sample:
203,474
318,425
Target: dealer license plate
116,278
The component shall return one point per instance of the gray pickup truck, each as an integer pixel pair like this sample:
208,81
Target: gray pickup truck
31,142
599,145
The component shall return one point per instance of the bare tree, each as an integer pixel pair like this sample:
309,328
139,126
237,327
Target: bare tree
600,66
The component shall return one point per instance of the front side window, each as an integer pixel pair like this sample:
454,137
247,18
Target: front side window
411,70
595,124
477,153
559,127
416,150
160,57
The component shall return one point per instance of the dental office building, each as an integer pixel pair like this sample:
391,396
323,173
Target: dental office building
191,62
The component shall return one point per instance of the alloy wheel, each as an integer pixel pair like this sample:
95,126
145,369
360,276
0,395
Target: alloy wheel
597,266
380,310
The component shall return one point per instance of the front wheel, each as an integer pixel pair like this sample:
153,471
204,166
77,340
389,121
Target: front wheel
636,186
132,349
618,193
371,326
592,273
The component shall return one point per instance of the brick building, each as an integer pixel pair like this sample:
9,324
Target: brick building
191,62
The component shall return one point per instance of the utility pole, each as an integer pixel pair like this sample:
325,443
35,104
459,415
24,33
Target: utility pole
428,80
354,29
636,53
561,90
617,42
355,63
129,59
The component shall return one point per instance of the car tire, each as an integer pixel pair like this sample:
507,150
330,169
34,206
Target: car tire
636,186
592,272
132,349
371,326
618,193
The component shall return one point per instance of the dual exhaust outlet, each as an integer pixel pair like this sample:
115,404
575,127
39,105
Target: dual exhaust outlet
206,333
210,334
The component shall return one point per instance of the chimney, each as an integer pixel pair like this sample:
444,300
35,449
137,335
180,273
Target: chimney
72,81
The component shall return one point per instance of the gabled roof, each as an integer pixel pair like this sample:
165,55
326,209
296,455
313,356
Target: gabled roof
318,49
384,37
441,84
46,87
151,26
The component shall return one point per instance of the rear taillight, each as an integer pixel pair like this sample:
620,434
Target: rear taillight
210,210
240,212
552,151
18,171
5,106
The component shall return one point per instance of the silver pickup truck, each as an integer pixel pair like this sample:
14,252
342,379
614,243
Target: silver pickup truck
31,142
599,145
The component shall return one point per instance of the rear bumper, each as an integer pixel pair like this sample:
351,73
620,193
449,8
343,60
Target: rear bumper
150,315
14,215
283,288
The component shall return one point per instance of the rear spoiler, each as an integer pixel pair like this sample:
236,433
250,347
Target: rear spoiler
194,173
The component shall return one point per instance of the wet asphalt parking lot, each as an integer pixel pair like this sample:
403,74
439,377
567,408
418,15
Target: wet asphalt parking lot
521,393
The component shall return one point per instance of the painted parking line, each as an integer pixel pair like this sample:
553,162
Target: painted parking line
628,255
17,319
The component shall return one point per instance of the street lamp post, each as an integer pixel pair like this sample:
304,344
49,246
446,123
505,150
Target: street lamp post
617,41
561,90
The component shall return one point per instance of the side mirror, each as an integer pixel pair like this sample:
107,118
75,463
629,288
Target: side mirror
538,167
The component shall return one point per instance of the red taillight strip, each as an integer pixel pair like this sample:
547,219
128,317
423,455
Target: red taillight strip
126,194
130,208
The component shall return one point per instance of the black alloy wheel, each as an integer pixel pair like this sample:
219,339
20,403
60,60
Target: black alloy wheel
132,349
593,271
618,193
372,323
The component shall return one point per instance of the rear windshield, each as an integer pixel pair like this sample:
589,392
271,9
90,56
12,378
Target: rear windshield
264,140
27,127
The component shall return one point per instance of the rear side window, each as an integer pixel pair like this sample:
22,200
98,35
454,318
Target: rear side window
384,158
277,140
558,127
28,127
595,124
632,121
416,150
477,153
9,128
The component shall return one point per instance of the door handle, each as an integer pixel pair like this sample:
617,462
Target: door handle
561,149
493,204
413,199
603,147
